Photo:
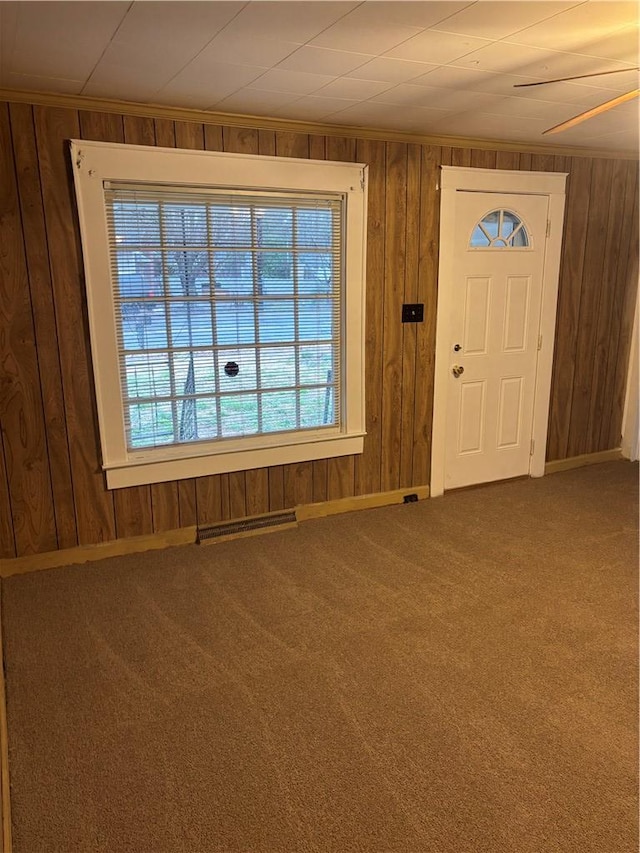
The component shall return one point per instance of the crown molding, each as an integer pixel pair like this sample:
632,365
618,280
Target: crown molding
81,102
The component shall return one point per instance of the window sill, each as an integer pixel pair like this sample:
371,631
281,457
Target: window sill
139,473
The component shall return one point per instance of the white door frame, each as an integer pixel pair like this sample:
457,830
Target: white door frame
453,179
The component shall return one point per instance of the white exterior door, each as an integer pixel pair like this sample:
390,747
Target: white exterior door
494,335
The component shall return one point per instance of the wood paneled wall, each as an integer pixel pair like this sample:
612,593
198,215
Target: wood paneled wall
52,492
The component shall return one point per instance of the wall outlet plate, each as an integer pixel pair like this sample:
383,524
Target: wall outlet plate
413,313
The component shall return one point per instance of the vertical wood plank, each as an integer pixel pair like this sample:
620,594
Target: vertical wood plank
589,301
267,142
368,464
320,480
37,255
134,515
93,503
428,294
139,130
483,159
525,162
190,134
7,537
394,272
568,311
257,491
298,484
317,147
276,488
165,133
630,288
208,500
507,160
291,144
608,440
237,495
609,284
240,140
21,408
410,330
461,157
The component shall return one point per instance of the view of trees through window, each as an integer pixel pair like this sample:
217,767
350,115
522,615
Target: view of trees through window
229,313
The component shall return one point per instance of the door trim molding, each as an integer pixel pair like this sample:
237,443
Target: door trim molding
552,185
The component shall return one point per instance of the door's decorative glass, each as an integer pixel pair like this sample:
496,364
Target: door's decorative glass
500,229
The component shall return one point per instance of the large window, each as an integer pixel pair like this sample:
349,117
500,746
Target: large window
225,298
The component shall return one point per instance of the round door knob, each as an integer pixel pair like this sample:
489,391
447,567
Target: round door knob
457,370
457,347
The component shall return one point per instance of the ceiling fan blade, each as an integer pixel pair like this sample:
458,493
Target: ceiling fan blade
601,108
578,77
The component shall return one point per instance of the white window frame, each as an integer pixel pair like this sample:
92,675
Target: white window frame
97,163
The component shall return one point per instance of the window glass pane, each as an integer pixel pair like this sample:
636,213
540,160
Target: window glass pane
490,223
230,226
278,411
275,272
206,419
184,225
274,227
277,367
137,223
313,228
314,319
194,372
237,369
315,272
147,375
239,415
315,364
151,424
317,407
235,323
191,324
143,325
479,238
233,272
276,320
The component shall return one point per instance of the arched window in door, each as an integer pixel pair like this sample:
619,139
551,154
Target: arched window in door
500,229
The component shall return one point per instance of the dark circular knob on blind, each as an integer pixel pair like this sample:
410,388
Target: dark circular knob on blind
231,368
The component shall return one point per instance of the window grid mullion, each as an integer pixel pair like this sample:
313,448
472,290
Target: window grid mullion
213,310
255,271
168,320
296,322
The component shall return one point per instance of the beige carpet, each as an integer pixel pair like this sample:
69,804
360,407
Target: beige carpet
453,676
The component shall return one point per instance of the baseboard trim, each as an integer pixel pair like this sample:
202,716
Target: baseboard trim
325,508
100,551
188,535
584,459
5,788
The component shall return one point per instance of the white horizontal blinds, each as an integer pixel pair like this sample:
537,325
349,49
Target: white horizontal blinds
229,310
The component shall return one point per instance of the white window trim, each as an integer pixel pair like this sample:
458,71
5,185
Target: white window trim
95,163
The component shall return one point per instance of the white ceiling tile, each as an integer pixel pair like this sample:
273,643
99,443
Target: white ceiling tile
487,126
208,88
181,27
26,82
256,101
360,31
321,60
579,26
389,70
436,98
63,40
531,61
359,90
494,19
238,50
384,13
313,108
385,116
436,47
290,21
296,82
530,108
622,46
